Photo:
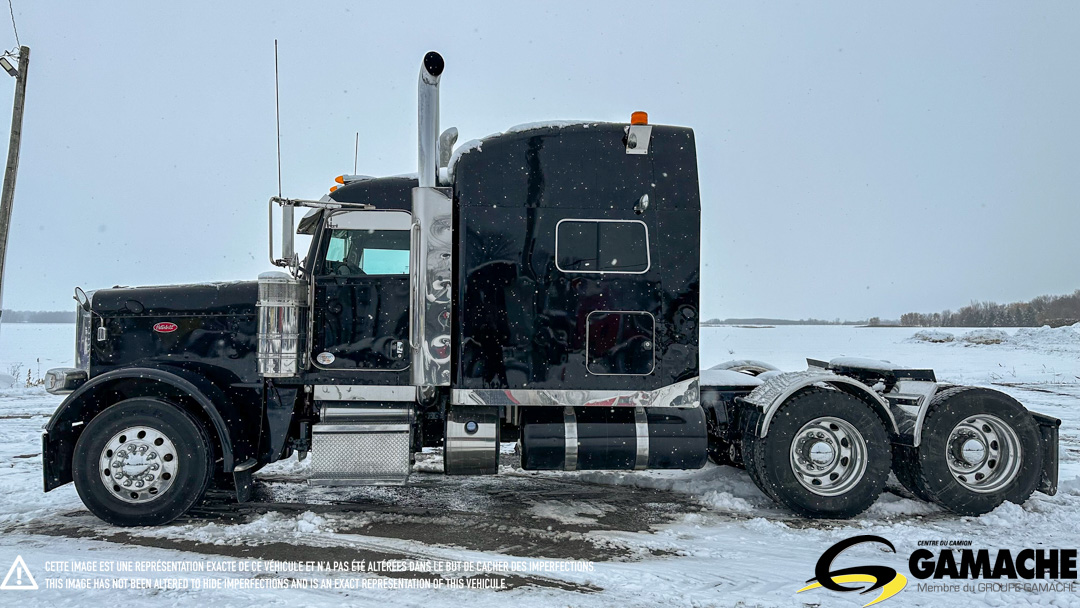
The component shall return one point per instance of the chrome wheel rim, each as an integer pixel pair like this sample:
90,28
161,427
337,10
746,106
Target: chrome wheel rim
138,464
983,453
828,456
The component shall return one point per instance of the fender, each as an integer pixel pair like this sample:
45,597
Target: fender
776,390
198,392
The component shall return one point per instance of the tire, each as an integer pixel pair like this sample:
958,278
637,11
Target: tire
141,495
903,466
947,475
826,455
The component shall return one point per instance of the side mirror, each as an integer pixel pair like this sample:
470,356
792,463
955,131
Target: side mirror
82,299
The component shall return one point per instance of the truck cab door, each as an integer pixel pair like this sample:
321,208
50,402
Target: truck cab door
360,303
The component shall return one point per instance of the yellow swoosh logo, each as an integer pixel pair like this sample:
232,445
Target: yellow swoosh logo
892,588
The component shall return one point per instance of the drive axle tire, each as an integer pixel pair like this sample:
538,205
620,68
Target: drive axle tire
142,462
979,447
905,469
826,454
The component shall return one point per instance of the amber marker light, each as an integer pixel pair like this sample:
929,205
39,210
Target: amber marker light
639,118
334,188
340,179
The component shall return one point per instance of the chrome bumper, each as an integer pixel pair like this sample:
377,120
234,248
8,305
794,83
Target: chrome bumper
63,380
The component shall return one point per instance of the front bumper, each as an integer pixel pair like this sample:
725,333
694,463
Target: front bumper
63,380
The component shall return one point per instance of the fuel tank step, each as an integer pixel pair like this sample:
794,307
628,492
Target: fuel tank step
361,444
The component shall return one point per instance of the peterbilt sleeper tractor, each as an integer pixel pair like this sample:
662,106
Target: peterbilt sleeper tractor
540,286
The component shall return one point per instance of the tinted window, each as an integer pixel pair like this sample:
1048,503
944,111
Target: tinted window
368,252
602,246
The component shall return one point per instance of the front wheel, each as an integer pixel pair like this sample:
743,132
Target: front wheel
142,462
826,454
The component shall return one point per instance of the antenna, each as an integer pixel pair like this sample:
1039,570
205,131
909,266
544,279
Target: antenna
277,115
356,152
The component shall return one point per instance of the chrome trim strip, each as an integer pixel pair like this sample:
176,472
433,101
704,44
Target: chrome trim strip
359,392
648,253
641,424
680,394
621,312
329,413
361,428
369,219
570,439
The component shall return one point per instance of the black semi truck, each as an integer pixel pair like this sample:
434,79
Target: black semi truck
539,286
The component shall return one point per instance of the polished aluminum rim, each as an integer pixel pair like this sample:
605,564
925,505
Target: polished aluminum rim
828,456
983,453
138,464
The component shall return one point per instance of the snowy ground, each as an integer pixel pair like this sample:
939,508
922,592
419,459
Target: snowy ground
693,538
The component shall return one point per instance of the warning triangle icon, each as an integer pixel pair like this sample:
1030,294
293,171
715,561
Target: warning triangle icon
19,576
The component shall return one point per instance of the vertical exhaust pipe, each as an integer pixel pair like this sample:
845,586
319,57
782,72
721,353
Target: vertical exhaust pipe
431,268
428,119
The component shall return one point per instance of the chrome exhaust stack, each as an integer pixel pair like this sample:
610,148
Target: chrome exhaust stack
428,118
430,269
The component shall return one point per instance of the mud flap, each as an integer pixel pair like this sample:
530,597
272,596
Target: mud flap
242,480
1048,437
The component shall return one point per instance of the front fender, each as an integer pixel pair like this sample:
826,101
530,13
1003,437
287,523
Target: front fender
776,390
192,391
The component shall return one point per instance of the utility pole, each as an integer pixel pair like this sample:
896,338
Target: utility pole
7,195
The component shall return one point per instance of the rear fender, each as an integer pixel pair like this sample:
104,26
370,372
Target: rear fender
778,389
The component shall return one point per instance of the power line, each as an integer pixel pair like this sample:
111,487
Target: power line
12,9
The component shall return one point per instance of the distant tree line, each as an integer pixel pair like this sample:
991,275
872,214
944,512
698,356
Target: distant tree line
38,316
1055,311
766,321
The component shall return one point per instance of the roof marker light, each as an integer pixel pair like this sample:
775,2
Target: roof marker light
340,179
334,188
639,118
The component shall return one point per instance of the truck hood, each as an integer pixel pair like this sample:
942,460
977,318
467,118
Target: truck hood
231,298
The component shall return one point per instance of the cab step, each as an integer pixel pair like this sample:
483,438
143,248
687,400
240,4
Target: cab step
361,444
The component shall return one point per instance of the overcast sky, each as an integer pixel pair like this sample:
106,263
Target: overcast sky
855,159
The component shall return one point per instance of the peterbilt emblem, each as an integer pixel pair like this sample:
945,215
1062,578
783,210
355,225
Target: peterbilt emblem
165,327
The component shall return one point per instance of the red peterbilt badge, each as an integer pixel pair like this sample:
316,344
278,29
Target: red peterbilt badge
165,327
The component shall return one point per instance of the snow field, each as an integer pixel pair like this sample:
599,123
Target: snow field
735,548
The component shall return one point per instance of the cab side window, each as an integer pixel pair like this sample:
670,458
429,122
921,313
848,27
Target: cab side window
353,252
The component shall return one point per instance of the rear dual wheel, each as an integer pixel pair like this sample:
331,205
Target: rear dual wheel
979,448
826,454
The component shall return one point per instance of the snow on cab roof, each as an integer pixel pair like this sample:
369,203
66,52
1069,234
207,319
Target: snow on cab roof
477,144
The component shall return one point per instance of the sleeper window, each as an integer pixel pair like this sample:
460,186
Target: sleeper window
602,246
